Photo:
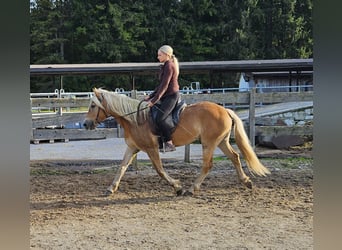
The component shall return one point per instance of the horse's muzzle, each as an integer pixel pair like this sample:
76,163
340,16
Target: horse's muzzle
89,124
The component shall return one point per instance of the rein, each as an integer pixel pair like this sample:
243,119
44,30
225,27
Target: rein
137,111
98,102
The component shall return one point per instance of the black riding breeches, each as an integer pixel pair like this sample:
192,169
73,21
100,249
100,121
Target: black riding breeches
167,104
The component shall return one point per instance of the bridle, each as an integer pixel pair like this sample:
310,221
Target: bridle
99,107
98,103
97,116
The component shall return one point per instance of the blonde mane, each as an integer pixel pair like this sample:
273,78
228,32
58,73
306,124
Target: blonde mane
124,106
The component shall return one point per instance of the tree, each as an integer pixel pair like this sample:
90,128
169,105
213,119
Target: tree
94,31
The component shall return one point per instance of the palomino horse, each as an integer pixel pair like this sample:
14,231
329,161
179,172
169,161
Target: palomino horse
207,121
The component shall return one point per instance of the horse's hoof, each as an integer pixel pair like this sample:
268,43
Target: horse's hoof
179,192
188,193
249,184
108,193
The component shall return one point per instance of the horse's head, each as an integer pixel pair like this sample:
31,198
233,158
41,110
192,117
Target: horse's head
96,112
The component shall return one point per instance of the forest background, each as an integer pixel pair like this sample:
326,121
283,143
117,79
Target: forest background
95,31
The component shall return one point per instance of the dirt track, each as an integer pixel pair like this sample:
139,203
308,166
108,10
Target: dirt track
69,211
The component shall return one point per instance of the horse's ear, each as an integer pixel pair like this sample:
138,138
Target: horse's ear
96,91
98,94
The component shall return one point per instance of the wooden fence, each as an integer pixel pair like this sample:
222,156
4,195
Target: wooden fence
48,126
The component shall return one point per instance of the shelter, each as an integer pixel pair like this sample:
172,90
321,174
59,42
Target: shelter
287,81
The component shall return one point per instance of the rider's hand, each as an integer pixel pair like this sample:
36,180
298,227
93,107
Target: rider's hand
150,104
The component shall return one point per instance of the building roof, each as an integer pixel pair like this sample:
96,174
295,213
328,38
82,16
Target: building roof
202,67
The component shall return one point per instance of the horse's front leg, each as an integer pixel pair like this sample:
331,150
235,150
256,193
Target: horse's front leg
127,160
157,164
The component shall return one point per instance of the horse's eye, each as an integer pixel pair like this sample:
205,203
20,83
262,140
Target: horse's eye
93,106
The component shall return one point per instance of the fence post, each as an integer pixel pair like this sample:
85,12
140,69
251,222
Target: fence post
251,115
134,94
31,134
61,91
187,153
118,131
135,159
60,109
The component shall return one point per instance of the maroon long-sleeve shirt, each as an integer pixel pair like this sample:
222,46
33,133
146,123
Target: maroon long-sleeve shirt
168,85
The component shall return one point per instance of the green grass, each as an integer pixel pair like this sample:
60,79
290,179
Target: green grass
281,163
40,171
220,158
288,163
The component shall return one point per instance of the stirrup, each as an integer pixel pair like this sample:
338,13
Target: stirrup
167,147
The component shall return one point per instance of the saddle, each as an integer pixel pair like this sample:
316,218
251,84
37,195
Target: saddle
172,120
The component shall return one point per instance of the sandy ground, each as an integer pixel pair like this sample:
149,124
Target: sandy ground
108,149
69,211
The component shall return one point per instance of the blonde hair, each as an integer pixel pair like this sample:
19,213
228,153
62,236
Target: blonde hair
168,50
122,105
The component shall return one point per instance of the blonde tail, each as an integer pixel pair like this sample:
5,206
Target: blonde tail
242,141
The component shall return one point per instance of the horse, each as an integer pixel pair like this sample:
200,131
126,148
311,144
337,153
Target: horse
208,122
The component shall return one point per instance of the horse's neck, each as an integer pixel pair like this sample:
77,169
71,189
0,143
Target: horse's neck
118,108
123,109
123,123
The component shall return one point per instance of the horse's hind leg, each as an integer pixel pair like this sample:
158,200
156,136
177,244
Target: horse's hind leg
157,164
127,160
207,165
228,150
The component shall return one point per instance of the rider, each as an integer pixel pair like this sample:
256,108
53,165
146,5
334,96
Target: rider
166,93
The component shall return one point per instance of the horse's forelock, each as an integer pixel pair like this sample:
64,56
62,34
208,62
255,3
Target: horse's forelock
97,102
